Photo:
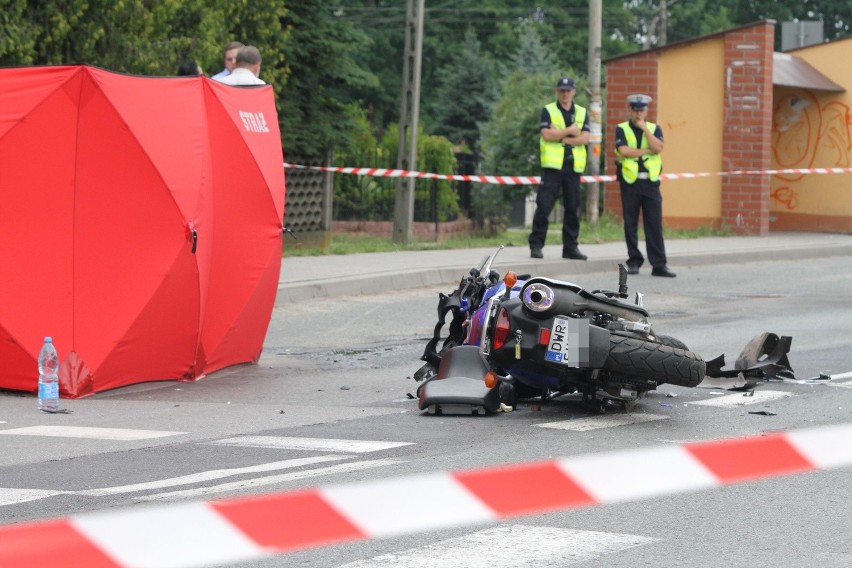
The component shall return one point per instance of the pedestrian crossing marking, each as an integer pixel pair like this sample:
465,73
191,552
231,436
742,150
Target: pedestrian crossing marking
587,423
744,399
310,444
245,484
211,475
120,434
12,496
513,546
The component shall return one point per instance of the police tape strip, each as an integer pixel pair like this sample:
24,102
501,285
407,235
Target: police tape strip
242,529
533,180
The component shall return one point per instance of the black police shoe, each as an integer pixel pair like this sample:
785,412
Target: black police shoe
663,271
574,254
632,269
536,253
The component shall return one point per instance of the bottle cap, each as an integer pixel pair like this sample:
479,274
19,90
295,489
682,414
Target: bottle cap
48,339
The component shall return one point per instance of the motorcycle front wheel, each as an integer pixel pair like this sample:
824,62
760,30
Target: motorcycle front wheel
654,361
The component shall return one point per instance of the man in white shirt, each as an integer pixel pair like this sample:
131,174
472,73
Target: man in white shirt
247,68
229,54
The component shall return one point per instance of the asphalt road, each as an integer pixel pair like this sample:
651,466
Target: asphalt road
339,369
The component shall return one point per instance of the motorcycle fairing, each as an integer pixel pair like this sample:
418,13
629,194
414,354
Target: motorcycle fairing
764,356
460,383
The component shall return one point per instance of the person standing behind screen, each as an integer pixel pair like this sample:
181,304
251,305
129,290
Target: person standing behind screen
638,146
247,70
189,69
230,56
564,134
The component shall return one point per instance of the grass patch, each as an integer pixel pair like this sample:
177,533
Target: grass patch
608,229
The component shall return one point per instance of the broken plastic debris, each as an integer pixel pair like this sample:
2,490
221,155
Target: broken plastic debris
344,388
57,411
671,395
763,412
668,404
505,408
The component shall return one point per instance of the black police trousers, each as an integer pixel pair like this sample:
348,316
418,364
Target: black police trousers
643,196
553,183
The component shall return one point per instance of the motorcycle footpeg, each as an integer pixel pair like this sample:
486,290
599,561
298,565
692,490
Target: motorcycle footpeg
459,387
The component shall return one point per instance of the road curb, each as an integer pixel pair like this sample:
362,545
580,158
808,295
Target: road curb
449,275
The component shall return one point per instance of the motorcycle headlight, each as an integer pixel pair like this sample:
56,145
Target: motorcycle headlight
538,297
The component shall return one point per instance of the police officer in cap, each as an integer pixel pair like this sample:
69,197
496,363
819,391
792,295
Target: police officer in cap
565,130
638,146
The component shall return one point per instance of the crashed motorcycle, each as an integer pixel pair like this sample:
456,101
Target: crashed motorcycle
522,337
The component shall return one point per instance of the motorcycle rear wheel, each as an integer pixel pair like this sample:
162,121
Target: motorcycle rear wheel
671,341
654,361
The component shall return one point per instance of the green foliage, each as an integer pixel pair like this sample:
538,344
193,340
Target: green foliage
322,57
463,100
323,71
434,155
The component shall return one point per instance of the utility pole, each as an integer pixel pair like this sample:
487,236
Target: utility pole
409,116
594,146
664,23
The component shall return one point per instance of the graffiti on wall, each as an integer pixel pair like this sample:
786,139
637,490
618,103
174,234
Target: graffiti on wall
806,132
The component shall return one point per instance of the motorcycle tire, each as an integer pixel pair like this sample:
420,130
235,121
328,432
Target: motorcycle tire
671,341
654,361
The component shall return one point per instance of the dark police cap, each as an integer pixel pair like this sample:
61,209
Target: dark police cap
565,84
638,102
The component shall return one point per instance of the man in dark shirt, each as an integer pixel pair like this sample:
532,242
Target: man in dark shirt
639,144
564,135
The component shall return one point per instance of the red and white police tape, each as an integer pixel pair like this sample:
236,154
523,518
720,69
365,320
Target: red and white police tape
241,529
532,180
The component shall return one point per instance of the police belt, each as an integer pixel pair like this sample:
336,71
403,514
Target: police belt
643,175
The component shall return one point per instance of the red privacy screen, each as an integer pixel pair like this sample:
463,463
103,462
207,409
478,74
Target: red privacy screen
140,225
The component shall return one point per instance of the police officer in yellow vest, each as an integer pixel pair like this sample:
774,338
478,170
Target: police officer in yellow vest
564,135
638,146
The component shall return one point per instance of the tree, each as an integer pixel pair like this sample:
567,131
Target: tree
322,75
463,100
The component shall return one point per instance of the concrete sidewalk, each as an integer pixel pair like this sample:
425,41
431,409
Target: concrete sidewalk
305,277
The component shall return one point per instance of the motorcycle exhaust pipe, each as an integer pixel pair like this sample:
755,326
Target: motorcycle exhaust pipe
541,297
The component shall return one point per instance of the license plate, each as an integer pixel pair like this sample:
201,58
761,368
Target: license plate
569,342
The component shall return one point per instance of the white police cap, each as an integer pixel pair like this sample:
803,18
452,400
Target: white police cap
638,101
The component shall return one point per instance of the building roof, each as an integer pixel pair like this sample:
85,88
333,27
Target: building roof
791,71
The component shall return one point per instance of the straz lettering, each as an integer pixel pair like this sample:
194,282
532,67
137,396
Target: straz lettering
254,121
557,337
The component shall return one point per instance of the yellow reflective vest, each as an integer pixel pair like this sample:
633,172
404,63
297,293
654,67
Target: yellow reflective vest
553,153
630,166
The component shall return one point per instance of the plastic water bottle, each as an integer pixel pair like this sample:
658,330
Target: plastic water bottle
48,377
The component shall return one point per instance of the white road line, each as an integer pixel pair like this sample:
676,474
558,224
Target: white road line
842,376
121,434
10,496
734,400
514,546
269,480
312,444
203,476
602,421
844,385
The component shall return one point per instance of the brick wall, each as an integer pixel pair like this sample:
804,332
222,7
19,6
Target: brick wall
748,128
